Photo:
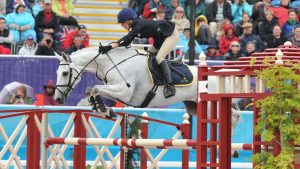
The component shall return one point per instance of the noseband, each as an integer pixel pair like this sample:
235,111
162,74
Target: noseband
70,83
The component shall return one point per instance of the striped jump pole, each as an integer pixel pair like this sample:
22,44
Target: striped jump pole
159,143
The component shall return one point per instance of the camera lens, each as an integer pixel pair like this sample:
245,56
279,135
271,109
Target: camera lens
48,41
17,96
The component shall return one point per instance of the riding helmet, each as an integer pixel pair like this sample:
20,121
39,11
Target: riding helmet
126,14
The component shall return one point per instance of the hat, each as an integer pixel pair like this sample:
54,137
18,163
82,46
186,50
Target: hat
47,1
30,37
50,84
82,27
247,25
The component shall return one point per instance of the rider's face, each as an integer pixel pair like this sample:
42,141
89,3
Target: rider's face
125,25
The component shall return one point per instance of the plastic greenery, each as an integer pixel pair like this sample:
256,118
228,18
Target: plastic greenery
133,153
278,113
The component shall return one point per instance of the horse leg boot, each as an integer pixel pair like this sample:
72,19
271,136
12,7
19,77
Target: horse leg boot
109,113
93,104
169,89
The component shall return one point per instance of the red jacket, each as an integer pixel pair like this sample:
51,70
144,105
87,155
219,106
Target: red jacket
281,13
69,40
147,14
224,43
48,100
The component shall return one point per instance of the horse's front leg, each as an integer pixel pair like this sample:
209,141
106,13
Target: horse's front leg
98,106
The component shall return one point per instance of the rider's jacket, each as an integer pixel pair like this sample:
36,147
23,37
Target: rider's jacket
141,28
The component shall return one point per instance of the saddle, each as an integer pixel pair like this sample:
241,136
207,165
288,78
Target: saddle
180,72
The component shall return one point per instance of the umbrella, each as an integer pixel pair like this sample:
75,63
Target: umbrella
11,88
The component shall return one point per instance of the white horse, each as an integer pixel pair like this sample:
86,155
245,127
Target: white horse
126,78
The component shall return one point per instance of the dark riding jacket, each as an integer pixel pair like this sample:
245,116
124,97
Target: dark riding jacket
141,28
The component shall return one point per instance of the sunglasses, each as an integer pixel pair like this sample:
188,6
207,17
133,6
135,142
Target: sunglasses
179,11
235,45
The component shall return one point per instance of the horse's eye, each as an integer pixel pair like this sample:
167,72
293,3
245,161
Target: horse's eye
65,73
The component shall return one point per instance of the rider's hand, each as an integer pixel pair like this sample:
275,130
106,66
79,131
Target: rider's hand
105,49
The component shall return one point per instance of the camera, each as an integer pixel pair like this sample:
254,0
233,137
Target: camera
18,96
48,41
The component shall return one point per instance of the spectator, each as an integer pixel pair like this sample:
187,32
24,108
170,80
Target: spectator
281,12
13,4
212,52
234,51
137,5
160,15
180,19
38,6
184,41
46,21
151,8
29,47
199,9
258,13
220,30
20,97
238,8
217,11
227,38
250,48
173,6
202,31
49,90
249,37
5,38
2,8
65,10
239,30
76,45
21,24
85,100
277,38
80,31
265,28
290,24
296,38
46,46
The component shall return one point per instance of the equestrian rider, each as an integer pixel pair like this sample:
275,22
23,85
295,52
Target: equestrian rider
165,39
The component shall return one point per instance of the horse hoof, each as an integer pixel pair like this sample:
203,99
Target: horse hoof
111,113
235,154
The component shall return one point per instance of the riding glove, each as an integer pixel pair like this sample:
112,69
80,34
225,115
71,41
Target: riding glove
105,49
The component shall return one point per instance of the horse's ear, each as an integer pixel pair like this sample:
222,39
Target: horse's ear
65,56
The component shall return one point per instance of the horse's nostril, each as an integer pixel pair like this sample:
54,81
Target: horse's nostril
58,100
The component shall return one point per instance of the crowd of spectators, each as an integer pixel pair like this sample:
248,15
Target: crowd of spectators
34,25
228,29
38,27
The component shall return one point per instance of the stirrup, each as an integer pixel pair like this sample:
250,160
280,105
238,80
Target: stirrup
169,91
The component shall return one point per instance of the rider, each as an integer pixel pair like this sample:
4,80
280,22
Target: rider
165,39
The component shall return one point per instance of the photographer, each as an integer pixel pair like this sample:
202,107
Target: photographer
20,97
46,46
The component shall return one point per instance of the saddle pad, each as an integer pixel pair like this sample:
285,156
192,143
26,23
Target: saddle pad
181,74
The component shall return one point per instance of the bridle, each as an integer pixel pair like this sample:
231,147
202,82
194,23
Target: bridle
70,83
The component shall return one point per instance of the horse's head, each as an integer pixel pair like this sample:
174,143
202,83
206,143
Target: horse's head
68,76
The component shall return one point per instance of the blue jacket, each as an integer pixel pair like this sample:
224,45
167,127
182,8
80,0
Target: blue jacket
183,41
288,28
237,11
259,44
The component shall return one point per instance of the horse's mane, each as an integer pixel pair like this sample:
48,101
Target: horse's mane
84,49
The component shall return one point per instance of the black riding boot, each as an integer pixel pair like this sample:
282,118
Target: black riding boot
169,89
